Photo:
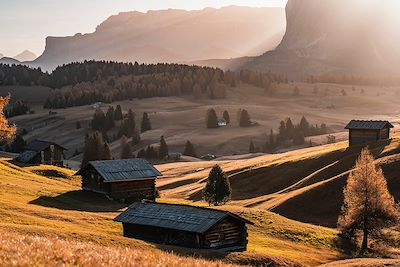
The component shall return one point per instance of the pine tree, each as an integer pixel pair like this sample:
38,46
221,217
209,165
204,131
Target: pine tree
163,148
136,137
109,120
252,148
245,120
145,125
272,143
298,136
211,119
289,128
226,117
95,148
141,153
218,189
368,206
126,150
189,150
282,132
98,121
304,126
18,144
118,113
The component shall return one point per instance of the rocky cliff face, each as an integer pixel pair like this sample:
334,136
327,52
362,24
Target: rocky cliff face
172,36
358,36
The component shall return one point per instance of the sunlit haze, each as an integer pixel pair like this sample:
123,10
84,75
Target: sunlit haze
25,23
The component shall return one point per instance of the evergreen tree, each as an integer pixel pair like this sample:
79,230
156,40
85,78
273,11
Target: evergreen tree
118,113
298,136
304,126
109,120
145,125
141,153
126,150
289,128
189,150
252,148
98,121
95,148
211,119
226,117
136,137
151,153
18,144
218,189
368,206
245,120
163,149
282,132
272,143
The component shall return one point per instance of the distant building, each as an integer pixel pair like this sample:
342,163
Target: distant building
186,226
222,122
43,152
126,180
362,132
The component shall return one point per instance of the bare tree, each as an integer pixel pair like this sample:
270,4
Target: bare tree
368,206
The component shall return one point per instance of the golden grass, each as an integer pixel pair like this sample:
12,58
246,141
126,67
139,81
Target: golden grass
26,250
53,206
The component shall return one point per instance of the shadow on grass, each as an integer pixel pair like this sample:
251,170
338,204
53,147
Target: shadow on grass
79,201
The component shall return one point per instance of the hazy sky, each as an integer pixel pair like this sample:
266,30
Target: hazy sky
24,24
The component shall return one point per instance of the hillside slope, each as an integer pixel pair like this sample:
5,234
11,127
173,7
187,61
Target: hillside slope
46,201
292,184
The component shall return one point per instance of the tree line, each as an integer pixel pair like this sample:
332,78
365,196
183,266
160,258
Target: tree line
289,132
377,80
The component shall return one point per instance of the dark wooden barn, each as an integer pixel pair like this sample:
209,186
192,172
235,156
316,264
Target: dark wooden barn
362,132
126,180
43,152
186,226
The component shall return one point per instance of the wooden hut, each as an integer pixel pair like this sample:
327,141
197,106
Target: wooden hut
43,152
362,132
186,226
126,180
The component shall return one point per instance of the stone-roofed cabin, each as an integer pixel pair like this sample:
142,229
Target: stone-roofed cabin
43,152
362,132
187,226
126,180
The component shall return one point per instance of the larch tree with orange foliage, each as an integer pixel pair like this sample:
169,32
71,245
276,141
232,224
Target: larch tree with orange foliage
368,206
7,132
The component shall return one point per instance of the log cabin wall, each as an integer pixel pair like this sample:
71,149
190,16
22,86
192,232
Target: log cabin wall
50,157
133,190
363,136
162,235
229,232
384,134
92,181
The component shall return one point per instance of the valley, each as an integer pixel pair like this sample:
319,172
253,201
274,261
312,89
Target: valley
183,118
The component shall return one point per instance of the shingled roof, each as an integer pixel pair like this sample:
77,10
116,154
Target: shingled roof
123,169
40,145
368,125
27,156
178,217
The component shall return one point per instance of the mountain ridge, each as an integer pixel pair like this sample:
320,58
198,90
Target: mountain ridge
167,36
